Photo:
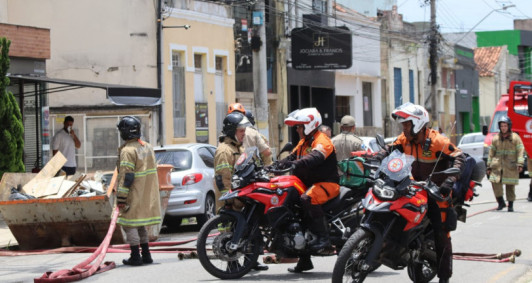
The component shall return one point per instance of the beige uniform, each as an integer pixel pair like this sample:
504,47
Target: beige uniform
143,207
225,157
345,143
254,138
504,158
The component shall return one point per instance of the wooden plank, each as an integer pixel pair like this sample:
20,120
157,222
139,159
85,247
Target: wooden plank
50,169
53,187
65,186
74,187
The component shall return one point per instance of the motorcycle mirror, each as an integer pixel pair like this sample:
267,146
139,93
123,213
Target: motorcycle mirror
380,140
286,148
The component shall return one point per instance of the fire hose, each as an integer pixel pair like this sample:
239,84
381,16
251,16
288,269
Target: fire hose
85,269
500,257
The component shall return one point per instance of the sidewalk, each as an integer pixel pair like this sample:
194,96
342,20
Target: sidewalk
6,238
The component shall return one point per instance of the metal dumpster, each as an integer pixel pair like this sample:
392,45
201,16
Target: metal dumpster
72,221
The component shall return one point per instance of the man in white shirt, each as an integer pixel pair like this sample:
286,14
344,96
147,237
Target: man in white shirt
66,141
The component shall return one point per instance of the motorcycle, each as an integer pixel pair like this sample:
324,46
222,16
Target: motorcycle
393,230
254,219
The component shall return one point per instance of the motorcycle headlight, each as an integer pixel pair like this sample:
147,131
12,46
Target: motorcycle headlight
385,192
236,182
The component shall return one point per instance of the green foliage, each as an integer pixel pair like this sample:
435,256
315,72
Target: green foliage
11,127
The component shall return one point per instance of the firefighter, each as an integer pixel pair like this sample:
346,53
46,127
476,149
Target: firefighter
426,145
505,161
137,195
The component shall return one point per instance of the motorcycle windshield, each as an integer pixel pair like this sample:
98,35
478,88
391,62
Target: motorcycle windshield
397,165
246,158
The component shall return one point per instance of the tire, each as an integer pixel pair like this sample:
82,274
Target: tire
212,250
172,223
346,268
210,210
427,268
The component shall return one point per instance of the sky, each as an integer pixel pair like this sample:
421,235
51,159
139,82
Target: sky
463,15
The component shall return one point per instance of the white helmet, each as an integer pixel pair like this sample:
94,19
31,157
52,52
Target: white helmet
411,112
309,117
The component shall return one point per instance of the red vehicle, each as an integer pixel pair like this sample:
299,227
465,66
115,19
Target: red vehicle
394,230
516,105
254,219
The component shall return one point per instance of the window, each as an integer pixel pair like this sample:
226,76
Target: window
198,79
206,156
342,107
397,87
219,92
179,97
181,159
411,85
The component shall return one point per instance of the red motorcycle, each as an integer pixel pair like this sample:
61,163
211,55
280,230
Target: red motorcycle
394,230
254,219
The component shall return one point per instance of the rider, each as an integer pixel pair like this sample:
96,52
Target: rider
314,159
426,145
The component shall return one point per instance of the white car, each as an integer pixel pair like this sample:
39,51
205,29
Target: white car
192,177
473,144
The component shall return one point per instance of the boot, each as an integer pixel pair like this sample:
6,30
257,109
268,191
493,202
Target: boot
134,259
502,205
146,255
260,267
510,206
319,227
303,264
444,280
530,193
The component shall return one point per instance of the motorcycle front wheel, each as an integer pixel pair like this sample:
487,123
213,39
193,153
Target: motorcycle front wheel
426,267
351,258
215,255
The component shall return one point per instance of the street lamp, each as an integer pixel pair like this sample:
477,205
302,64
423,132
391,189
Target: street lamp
503,8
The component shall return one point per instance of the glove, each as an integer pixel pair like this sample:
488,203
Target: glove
447,186
285,163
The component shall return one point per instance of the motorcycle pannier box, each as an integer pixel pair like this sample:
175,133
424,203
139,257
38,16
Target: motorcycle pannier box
354,173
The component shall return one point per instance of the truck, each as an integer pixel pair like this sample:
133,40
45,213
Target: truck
517,105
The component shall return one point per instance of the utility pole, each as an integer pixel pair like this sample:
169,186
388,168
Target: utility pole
433,62
260,87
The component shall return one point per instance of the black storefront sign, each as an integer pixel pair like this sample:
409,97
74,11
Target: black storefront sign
321,48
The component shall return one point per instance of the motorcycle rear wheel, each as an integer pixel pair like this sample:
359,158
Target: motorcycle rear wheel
355,250
212,246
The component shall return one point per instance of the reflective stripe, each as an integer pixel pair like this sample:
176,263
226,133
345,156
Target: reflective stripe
127,164
145,173
123,190
224,165
139,222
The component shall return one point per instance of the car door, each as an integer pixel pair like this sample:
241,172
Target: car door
206,153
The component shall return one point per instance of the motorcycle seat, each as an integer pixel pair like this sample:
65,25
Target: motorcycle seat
335,203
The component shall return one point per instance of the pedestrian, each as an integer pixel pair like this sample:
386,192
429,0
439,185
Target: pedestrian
227,153
253,137
347,142
66,142
326,130
137,195
505,161
314,162
432,152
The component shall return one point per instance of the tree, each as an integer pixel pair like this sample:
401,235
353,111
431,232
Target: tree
11,127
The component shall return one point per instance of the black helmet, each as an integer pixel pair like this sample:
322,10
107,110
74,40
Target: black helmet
250,117
129,128
233,121
505,119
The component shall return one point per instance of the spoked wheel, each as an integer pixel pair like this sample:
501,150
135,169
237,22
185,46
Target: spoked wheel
425,268
348,266
215,254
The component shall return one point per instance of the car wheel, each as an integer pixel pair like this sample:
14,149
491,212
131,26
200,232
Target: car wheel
172,222
210,210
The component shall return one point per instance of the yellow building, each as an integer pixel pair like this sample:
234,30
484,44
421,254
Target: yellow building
197,73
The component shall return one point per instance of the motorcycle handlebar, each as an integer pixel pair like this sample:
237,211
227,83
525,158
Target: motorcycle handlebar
274,168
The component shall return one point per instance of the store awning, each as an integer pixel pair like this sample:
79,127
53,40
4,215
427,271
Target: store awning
117,94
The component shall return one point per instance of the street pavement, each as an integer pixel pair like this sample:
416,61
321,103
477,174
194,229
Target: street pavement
486,231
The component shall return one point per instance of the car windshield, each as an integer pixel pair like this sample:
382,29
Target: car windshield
180,159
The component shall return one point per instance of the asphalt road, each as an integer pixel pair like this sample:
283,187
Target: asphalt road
485,232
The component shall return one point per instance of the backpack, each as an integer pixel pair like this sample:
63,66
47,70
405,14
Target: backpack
354,174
